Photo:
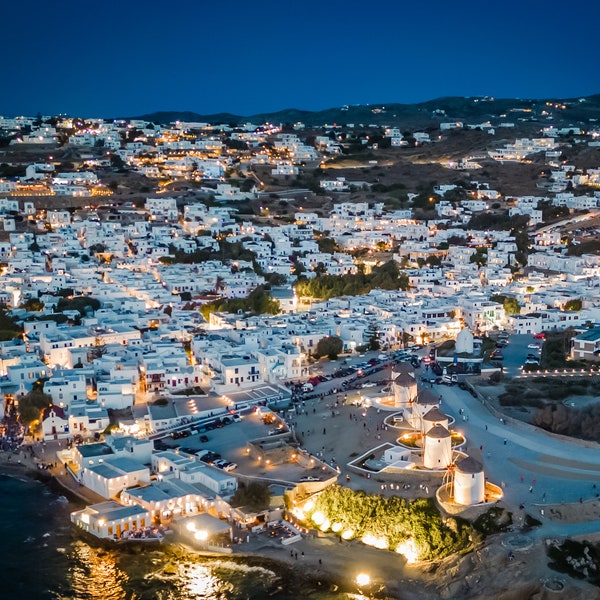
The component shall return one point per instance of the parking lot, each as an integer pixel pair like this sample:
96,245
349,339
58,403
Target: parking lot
231,441
516,351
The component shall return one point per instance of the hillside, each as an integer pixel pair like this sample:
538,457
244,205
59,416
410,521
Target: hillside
555,111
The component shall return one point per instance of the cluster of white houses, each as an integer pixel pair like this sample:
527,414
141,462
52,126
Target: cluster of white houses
137,341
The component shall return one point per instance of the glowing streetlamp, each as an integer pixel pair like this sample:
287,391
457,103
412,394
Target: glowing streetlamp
362,579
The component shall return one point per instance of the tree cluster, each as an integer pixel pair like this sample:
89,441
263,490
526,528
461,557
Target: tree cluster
587,247
79,303
388,277
499,221
227,251
258,302
396,520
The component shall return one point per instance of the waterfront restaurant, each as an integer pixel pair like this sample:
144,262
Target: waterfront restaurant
167,498
110,520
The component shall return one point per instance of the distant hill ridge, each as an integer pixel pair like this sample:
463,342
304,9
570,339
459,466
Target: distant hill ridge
455,107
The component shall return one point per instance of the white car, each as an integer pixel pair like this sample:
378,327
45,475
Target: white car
229,466
369,384
534,346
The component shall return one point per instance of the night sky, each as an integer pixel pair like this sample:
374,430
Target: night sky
127,58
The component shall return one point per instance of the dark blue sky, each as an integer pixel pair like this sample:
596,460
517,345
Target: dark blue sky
127,58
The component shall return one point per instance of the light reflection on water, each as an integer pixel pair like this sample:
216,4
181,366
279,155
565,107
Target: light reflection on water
95,574
200,582
120,574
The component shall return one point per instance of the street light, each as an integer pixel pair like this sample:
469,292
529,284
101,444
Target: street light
362,579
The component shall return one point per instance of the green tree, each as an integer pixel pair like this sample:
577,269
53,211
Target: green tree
329,346
32,404
254,495
80,303
573,305
275,279
510,303
434,261
8,326
372,335
33,304
320,269
258,302
327,245
479,256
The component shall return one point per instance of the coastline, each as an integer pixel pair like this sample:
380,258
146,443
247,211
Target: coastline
339,562
327,563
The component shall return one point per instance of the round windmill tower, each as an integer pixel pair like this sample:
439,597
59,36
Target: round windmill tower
438,448
404,386
434,416
469,482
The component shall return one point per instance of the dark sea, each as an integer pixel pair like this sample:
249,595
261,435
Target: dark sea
41,557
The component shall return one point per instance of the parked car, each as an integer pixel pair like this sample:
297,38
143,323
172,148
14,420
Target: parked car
230,466
204,439
534,346
309,478
207,455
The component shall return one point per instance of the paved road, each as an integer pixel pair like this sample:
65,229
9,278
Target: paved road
557,470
